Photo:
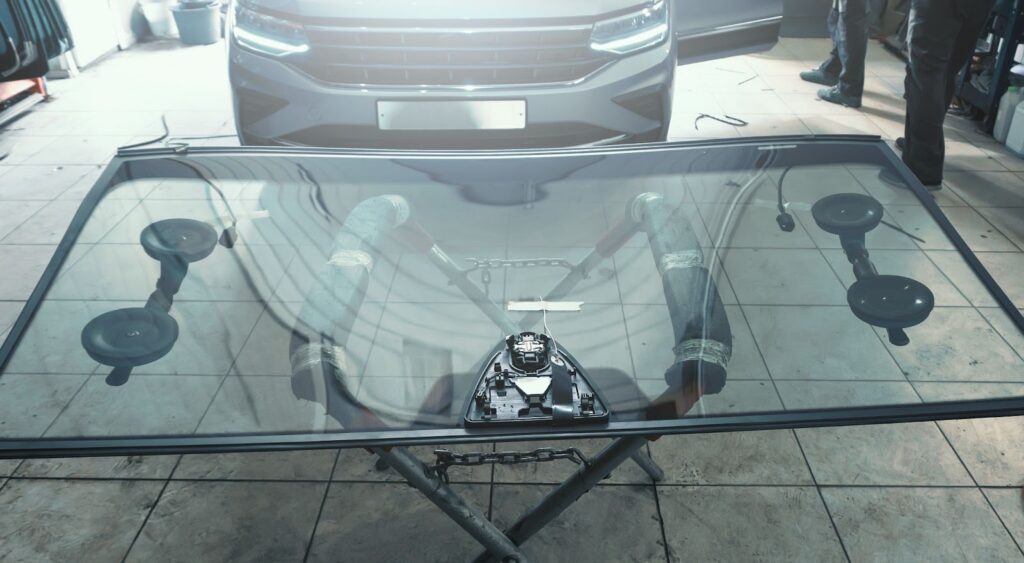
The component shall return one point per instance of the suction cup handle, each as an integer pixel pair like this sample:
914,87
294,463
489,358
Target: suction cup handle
172,275
898,337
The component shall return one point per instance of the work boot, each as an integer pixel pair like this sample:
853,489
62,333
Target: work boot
832,95
817,76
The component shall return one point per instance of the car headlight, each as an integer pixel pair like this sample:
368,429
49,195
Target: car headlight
267,34
632,32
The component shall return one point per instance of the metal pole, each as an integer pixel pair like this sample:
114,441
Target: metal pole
571,490
649,466
462,513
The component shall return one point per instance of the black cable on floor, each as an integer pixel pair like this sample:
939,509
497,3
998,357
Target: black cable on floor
170,141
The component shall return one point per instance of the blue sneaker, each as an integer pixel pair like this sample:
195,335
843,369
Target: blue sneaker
832,95
818,77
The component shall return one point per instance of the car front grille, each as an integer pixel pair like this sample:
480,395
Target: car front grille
487,56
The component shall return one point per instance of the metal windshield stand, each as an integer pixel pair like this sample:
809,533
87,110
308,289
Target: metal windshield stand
461,512
504,546
578,484
347,282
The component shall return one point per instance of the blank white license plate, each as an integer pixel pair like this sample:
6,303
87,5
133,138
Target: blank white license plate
451,115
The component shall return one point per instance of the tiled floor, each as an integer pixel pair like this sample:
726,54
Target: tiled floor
922,491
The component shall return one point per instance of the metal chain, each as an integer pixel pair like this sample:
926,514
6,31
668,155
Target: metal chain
448,458
494,263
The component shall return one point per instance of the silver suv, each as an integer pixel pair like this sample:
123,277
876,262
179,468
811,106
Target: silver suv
474,74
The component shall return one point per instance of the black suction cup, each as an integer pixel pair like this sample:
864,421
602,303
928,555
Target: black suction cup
179,240
131,337
891,302
847,214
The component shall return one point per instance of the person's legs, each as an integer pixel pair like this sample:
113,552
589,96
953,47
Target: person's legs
828,71
832,65
876,16
942,37
852,43
974,14
933,23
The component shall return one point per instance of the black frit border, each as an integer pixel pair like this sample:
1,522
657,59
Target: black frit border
117,171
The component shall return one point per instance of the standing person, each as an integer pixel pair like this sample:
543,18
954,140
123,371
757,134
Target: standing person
876,18
843,70
941,39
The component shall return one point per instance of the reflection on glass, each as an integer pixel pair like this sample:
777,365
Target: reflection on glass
367,293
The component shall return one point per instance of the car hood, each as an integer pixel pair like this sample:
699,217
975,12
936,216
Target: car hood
445,10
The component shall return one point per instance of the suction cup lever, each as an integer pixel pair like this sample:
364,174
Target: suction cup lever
126,338
891,302
176,243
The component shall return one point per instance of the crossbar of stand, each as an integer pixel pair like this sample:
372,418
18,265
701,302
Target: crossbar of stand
504,546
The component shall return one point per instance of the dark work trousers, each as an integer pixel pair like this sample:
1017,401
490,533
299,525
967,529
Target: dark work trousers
848,23
876,16
941,39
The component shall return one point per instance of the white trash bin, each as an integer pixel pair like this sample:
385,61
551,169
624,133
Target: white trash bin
158,15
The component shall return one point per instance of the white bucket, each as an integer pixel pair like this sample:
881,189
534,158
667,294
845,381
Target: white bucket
158,15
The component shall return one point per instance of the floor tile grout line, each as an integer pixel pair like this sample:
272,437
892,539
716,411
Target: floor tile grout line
999,333
807,462
821,496
995,228
974,479
226,375
970,473
793,432
152,509
320,511
24,221
946,276
632,364
67,404
1013,539
380,320
661,517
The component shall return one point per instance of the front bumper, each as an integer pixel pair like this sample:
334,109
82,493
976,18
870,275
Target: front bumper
278,104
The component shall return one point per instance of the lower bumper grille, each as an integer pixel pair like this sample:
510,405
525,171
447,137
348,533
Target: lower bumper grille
450,57
534,136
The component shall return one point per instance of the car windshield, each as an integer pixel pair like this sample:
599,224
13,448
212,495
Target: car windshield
225,293
285,221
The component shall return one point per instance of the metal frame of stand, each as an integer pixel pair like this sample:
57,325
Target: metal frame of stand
505,545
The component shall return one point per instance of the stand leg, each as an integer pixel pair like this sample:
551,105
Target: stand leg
571,490
649,466
472,520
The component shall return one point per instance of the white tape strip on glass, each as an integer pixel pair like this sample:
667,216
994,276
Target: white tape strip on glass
551,306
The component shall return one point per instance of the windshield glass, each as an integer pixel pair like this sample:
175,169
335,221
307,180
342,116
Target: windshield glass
292,221
229,293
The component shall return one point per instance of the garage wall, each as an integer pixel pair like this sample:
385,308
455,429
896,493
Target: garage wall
130,23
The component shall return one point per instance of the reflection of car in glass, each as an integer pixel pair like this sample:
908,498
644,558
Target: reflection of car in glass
395,73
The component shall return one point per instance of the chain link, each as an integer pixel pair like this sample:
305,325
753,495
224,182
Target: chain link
495,263
448,458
